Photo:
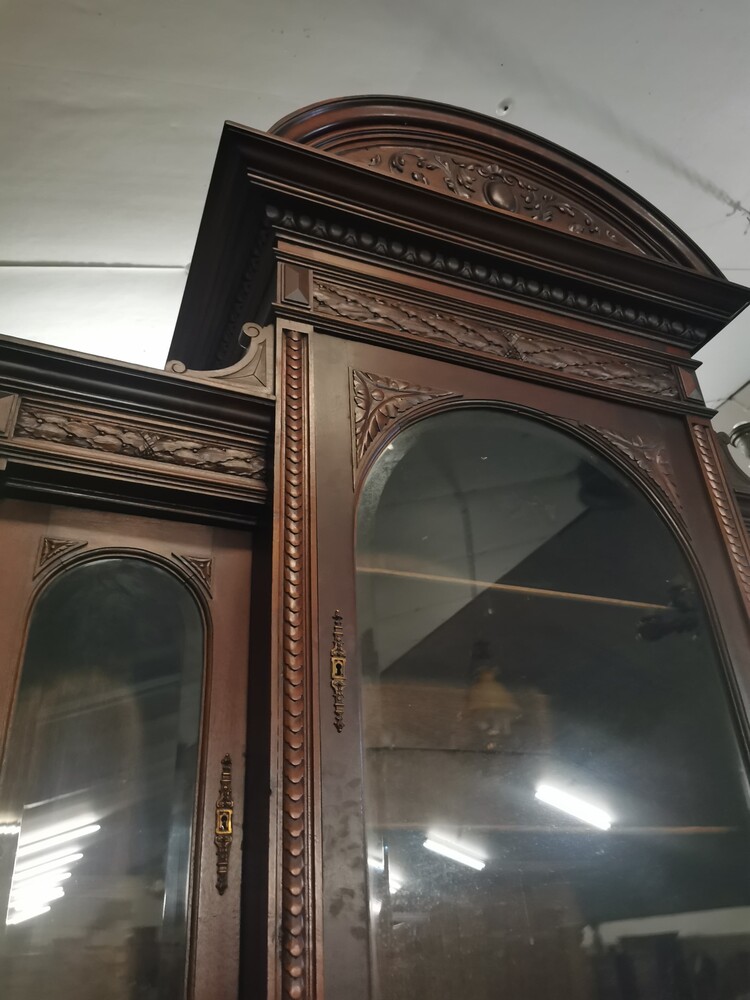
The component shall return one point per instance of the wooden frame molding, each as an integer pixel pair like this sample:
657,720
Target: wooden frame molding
730,521
296,674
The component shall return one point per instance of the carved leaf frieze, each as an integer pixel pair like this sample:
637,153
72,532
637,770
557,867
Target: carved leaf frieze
651,457
379,400
492,185
136,440
493,340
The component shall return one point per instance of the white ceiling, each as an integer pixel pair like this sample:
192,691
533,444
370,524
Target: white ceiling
112,111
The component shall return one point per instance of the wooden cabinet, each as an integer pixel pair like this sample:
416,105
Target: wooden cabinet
498,674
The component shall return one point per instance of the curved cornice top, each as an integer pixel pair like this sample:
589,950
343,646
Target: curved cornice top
500,167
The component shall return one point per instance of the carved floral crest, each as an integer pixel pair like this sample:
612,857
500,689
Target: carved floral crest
494,185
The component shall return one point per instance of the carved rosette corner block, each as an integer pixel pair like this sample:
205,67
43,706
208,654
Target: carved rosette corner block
377,401
295,284
200,569
728,516
54,549
9,406
338,671
293,488
223,827
650,457
493,340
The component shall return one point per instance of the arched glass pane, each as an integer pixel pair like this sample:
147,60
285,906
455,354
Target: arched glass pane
98,788
555,801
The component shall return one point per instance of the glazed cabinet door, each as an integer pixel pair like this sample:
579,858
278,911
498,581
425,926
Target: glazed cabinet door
123,666
526,767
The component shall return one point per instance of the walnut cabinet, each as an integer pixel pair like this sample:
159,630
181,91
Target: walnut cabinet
473,717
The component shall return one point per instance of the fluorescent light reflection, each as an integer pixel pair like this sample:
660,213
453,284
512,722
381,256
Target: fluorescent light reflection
42,864
43,843
449,849
18,918
61,859
395,878
573,806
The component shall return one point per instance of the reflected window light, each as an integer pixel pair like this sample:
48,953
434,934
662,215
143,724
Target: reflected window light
58,859
18,918
573,806
40,869
449,849
377,864
10,829
376,905
43,843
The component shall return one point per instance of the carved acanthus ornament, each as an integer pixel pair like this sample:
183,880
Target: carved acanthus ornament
492,185
378,401
650,457
492,340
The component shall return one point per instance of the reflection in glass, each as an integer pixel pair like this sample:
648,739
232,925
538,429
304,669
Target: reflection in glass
552,778
98,787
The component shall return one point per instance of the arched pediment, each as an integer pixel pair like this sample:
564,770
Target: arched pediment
500,167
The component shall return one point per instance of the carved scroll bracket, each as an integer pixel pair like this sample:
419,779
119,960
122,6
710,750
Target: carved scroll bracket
254,372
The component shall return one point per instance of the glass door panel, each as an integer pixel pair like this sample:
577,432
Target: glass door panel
555,803
98,787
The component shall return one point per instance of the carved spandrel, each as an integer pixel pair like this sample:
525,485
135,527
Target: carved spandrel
378,401
493,340
200,569
254,372
651,457
51,550
492,185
